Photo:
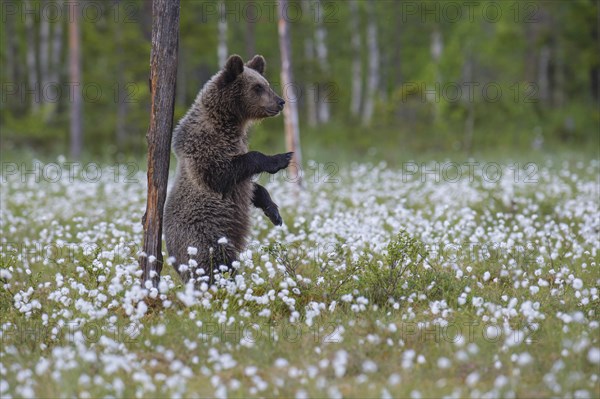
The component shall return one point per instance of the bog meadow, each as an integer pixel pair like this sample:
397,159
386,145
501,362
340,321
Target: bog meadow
440,231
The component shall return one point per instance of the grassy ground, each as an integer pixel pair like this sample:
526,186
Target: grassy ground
411,280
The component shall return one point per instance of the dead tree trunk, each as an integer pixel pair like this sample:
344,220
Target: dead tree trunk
163,74
76,130
290,111
373,76
356,60
222,46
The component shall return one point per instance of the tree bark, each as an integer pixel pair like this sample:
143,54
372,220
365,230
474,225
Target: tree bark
356,60
76,131
373,76
222,46
163,73
321,47
31,59
290,111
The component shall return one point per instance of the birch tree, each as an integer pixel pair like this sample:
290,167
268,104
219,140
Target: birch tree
290,111
373,72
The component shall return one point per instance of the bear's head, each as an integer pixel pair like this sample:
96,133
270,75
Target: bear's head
242,92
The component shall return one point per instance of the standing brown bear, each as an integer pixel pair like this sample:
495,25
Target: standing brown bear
207,212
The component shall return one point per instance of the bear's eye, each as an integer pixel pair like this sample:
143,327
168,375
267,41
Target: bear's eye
258,88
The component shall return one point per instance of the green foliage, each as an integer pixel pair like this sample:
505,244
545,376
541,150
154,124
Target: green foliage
387,279
504,52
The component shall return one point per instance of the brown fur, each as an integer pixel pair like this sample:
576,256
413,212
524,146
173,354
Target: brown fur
213,191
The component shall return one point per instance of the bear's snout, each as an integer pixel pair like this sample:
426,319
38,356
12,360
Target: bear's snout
280,102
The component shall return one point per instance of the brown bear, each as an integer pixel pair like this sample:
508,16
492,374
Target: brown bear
207,212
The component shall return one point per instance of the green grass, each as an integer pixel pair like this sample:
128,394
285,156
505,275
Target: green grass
393,299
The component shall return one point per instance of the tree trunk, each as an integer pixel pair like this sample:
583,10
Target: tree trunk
163,73
312,90
321,47
76,143
32,73
222,46
312,96
290,111
357,85
44,51
373,76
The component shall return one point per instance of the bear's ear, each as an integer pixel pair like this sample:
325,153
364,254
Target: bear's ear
257,63
233,67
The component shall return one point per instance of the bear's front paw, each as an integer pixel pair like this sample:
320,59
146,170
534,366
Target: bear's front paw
273,214
278,162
